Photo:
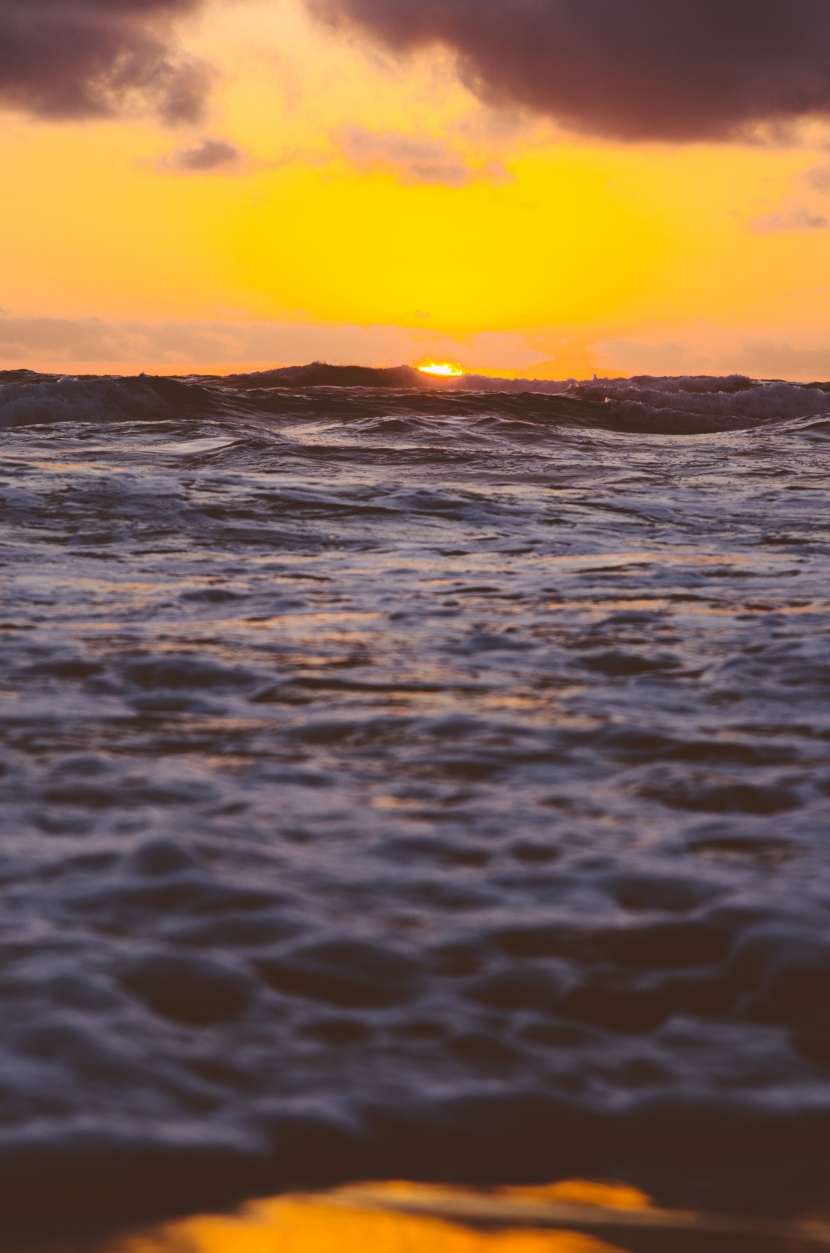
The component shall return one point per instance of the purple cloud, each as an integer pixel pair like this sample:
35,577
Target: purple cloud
93,58
625,69
206,157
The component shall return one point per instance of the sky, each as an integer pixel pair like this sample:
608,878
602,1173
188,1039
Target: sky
537,188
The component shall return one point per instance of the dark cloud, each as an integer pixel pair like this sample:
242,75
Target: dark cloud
94,58
629,69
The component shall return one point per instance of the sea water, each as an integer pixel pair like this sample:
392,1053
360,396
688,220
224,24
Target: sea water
412,783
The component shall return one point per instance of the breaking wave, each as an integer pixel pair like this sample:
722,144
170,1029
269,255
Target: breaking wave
675,406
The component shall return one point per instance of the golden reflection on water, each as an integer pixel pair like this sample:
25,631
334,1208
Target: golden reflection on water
337,1223
567,1217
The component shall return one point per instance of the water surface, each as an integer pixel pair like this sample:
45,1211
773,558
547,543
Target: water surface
413,784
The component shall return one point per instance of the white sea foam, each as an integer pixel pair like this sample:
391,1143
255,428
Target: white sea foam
761,402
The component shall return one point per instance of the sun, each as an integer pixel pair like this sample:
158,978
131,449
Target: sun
444,369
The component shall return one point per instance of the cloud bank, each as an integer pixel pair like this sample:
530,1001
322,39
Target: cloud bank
676,70
87,345
90,345
66,59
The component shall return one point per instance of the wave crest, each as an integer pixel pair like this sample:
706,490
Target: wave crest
641,405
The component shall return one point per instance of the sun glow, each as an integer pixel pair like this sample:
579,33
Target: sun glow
444,369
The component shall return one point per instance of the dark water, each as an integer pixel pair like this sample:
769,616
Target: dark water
413,784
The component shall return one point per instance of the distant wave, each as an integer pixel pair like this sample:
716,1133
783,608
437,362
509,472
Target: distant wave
29,399
642,405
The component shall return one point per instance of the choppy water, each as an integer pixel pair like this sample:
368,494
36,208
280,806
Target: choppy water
413,784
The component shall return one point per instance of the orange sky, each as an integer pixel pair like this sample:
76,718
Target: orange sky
364,209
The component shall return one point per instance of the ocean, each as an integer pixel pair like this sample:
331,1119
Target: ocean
412,782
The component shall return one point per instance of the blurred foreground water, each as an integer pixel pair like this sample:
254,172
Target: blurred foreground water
569,1217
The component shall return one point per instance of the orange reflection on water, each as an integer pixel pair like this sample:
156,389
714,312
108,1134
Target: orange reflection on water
572,1216
338,1224
582,1192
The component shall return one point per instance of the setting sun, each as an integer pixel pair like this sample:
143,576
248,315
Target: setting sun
444,369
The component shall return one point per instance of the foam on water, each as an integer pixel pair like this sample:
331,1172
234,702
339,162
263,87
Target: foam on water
426,783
